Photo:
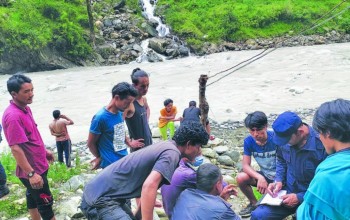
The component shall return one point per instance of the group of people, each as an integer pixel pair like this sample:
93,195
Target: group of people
310,163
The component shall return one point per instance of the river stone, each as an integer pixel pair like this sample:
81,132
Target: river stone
216,142
208,152
155,132
221,149
69,207
225,160
234,155
229,179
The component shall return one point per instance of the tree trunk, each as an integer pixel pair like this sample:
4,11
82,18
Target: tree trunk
203,104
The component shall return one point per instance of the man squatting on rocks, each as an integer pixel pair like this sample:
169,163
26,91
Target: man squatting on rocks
58,128
137,114
140,174
28,148
299,152
107,140
258,144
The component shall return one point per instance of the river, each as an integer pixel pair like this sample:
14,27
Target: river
286,79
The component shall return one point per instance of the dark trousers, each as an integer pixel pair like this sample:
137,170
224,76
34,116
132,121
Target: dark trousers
2,175
39,198
66,147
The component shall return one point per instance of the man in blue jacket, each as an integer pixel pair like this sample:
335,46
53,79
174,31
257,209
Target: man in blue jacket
299,152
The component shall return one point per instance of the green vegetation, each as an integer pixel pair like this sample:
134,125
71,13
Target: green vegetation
36,24
214,21
58,174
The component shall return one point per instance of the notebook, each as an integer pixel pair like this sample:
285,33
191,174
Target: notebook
267,199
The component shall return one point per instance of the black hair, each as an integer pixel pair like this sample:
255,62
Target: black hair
192,103
56,114
191,131
207,176
15,82
168,101
256,119
136,74
123,90
333,118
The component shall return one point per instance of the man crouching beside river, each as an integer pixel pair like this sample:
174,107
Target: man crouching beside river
140,174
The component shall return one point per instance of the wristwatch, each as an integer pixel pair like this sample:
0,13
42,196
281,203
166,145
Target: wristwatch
31,174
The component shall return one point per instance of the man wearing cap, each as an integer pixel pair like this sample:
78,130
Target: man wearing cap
299,152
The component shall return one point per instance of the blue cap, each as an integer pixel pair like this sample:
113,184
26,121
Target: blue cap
284,127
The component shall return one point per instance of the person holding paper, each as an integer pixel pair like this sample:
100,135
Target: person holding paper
299,152
258,144
328,196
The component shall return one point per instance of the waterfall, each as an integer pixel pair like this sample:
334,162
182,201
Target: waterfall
162,29
148,10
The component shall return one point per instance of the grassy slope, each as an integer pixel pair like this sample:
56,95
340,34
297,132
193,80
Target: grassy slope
34,24
214,21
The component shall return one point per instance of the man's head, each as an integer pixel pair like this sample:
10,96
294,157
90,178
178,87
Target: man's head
286,128
209,179
56,114
190,137
168,104
256,123
192,103
123,94
332,121
21,89
140,80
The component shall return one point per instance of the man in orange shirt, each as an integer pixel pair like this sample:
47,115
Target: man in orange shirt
58,128
167,118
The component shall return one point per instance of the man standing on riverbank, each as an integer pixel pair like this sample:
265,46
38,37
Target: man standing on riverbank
137,115
58,128
258,144
107,140
28,148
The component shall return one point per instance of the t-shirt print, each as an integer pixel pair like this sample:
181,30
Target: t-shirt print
119,137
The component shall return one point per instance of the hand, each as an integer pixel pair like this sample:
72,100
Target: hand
227,191
36,181
49,156
274,188
95,163
290,200
262,185
137,143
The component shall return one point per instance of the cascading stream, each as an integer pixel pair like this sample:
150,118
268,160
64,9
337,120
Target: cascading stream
162,29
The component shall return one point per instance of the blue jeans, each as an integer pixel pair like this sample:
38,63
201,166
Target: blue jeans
66,147
111,211
266,212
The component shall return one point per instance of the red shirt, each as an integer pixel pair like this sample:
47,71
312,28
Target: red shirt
20,129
